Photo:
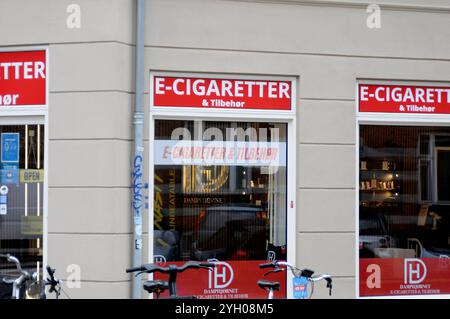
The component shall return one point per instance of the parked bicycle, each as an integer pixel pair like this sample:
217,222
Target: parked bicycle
27,285
22,283
159,286
302,278
55,284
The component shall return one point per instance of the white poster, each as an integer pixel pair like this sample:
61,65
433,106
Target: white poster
182,152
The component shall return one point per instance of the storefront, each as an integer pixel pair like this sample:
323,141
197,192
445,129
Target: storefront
292,130
404,189
23,178
223,165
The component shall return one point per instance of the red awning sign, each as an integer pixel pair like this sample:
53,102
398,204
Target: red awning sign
404,99
169,91
23,78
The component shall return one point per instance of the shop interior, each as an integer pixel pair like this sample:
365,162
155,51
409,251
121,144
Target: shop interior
404,192
231,211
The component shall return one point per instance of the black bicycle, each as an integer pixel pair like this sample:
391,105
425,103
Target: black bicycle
302,278
53,283
27,285
159,286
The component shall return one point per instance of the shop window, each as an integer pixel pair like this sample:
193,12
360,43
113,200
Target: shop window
220,192
21,199
404,209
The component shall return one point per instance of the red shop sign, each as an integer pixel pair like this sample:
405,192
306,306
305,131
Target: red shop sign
404,99
402,277
228,280
23,78
211,93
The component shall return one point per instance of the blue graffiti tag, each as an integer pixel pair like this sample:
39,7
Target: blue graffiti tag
137,184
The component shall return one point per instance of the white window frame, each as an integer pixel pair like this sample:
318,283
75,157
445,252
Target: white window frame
32,115
187,113
394,119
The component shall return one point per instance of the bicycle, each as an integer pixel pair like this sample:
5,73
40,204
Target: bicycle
21,286
55,284
21,283
159,286
302,278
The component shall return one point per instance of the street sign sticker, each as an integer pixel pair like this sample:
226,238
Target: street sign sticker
10,147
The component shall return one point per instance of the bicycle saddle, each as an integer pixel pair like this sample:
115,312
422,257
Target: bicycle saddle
156,286
275,285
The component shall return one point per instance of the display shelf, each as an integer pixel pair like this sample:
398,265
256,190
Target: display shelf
379,182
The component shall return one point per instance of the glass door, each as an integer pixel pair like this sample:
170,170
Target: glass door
22,196
220,193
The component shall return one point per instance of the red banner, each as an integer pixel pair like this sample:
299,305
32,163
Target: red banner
23,78
404,99
401,277
228,280
222,93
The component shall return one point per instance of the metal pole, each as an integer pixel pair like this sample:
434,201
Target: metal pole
137,166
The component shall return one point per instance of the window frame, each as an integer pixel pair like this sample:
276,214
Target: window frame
389,119
186,113
32,115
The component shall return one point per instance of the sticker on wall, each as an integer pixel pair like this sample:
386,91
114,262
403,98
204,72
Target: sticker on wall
9,176
10,150
3,200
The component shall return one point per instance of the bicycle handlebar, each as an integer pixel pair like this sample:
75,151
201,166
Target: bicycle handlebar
267,265
325,277
134,269
295,271
16,261
150,268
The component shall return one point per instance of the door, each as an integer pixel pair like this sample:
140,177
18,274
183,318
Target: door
220,193
22,196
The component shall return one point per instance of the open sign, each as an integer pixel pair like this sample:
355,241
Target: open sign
31,175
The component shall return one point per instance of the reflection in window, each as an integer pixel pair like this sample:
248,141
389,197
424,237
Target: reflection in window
404,209
21,211
225,202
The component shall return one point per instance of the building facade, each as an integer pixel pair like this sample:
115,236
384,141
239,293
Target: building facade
330,77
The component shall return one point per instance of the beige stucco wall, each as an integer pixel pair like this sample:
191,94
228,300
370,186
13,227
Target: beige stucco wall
326,44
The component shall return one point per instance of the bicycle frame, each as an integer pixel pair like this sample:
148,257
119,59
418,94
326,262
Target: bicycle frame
18,283
173,271
301,279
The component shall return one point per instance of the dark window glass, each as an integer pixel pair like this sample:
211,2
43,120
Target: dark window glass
229,212
22,206
404,210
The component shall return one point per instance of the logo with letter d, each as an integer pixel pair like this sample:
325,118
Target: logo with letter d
415,271
221,276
